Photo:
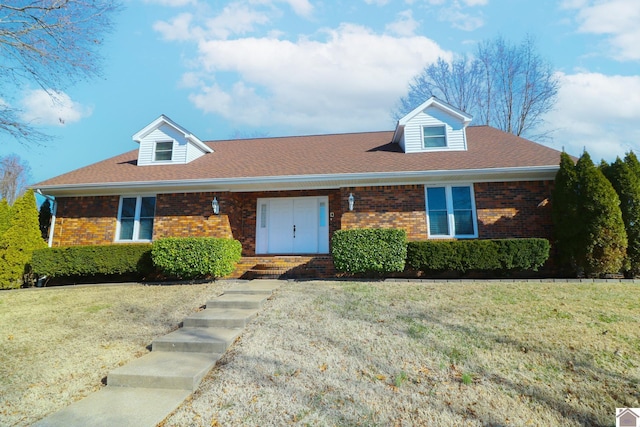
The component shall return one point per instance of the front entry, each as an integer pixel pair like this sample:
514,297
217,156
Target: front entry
292,225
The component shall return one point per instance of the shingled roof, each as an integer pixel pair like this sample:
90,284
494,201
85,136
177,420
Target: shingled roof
316,161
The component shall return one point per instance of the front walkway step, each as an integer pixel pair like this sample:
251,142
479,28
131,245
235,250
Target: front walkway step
221,317
119,406
227,300
168,370
197,340
254,287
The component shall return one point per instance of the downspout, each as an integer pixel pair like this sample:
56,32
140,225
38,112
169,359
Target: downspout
54,207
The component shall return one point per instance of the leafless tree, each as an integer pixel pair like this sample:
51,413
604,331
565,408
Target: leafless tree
14,177
509,86
49,43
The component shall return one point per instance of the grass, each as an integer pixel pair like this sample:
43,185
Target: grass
58,344
340,353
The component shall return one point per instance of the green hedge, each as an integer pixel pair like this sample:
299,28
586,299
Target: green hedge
196,257
369,250
100,260
480,255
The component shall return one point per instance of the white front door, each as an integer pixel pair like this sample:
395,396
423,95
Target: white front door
296,225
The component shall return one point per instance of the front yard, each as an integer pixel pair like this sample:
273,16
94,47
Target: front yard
346,353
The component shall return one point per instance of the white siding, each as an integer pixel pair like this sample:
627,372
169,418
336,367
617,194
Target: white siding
166,133
412,140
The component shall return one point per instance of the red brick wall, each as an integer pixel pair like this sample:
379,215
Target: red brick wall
85,220
514,209
401,206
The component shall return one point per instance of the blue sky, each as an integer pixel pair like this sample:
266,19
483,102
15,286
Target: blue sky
293,67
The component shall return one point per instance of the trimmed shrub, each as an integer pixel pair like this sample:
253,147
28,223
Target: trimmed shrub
196,257
369,250
567,222
478,255
100,260
21,236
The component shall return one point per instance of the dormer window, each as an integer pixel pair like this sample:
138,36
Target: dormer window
164,151
434,136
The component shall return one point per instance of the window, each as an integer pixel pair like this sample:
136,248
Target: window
451,211
434,136
164,151
135,218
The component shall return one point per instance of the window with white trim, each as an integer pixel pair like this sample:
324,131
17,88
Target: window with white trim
163,151
135,218
451,211
434,136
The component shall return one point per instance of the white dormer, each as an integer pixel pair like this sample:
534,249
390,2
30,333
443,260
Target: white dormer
433,126
164,142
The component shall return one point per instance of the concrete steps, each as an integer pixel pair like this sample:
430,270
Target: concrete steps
197,340
244,301
181,371
146,390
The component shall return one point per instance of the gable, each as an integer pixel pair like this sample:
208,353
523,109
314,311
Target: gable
433,126
164,142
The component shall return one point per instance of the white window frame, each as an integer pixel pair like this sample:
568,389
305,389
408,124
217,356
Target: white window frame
136,221
446,140
155,150
450,214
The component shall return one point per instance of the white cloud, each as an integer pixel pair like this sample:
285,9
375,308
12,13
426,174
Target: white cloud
377,2
334,84
56,108
615,19
456,14
404,25
234,19
301,7
599,113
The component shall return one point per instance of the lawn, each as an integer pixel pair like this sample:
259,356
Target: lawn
349,353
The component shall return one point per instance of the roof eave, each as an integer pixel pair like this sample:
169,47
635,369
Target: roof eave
295,182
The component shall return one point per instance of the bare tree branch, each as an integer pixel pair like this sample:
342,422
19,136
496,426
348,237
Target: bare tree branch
507,86
52,44
14,177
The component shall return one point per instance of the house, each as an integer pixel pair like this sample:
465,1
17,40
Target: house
283,197
627,418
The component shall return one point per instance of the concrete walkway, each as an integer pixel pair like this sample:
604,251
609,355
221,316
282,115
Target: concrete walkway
145,391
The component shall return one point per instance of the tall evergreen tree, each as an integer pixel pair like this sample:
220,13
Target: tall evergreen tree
19,241
603,239
5,216
564,211
625,178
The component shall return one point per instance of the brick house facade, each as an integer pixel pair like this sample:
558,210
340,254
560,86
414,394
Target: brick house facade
451,182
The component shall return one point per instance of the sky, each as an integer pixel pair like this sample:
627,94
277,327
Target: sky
296,67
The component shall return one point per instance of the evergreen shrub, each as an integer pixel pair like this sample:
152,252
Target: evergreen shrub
478,255
196,257
369,250
99,260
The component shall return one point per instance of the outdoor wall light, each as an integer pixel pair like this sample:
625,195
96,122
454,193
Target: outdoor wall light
215,206
351,201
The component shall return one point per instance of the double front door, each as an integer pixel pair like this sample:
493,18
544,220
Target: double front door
292,225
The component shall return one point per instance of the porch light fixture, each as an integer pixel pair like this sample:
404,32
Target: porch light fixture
351,201
215,206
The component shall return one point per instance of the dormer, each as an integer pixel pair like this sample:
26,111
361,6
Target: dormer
433,126
164,142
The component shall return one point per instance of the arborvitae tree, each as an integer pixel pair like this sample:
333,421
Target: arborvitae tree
564,211
19,241
625,178
5,216
603,240
44,219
